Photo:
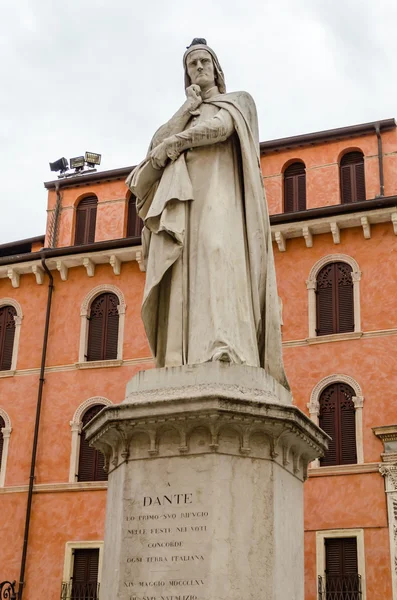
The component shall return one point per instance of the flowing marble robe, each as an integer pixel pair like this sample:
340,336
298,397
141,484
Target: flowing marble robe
210,290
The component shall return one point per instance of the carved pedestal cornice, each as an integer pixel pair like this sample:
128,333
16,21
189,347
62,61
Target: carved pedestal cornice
206,417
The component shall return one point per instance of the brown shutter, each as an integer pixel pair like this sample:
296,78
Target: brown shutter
329,422
335,303
360,181
341,556
337,418
352,178
2,424
91,461
7,334
345,301
295,188
348,449
134,223
112,327
86,221
325,301
103,328
85,574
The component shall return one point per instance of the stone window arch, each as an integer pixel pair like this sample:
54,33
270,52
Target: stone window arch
76,425
5,425
311,285
18,321
358,401
84,315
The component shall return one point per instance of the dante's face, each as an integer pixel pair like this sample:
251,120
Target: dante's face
200,68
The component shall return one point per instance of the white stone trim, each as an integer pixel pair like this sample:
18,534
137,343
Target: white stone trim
75,426
18,322
358,400
389,472
334,225
321,536
6,432
68,560
71,261
311,285
85,307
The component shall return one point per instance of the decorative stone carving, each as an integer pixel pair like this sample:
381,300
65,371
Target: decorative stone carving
226,442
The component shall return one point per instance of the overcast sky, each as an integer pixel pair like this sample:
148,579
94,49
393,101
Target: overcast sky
103,75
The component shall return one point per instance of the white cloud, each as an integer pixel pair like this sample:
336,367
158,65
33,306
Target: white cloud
102,76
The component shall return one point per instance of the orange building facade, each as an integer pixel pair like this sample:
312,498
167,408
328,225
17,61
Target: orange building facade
332,198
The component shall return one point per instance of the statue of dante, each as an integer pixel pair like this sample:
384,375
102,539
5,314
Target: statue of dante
210,289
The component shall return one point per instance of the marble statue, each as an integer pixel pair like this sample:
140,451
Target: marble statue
210,292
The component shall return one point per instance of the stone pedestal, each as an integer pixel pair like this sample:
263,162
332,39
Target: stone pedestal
205,499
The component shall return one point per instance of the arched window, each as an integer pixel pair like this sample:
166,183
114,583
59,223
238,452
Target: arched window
337,418
86,221
103,329
335,303
295,187
352,179
7,335
91,461
134,223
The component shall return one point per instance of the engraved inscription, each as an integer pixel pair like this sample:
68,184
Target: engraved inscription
168,537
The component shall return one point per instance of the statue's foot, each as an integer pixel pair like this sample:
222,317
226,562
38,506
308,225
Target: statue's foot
222,355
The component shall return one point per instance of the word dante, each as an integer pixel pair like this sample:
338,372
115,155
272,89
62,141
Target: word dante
166,500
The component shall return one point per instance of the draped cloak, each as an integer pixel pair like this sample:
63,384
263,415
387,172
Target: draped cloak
210,291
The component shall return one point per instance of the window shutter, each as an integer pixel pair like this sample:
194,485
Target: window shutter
7,334
134,223
103,328
86,221
112,329
295,188
2,424
96,328
81,223
345,301
329,423
348,449
325,301
85,574
341,556
337,418
91,461
335,301
360,182
352,177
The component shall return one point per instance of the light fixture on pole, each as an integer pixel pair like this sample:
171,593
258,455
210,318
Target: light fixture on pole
77,163
92,159
61,165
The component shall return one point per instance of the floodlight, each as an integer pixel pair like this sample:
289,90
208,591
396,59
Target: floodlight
91,158
77,162
59,165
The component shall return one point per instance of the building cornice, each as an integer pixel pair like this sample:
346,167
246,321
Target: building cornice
329,135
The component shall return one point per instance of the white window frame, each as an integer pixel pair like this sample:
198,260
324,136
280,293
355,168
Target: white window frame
6,431
321,536
84,323
358,401
311,285
18,321
68,560
76,425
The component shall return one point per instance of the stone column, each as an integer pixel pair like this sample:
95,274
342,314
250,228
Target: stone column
389,472
388,468
205,498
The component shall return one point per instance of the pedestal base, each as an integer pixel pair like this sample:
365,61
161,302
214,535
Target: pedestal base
205,497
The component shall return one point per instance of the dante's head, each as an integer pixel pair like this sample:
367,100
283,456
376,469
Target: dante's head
202,66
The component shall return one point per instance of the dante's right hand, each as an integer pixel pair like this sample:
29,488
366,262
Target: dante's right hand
193,97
